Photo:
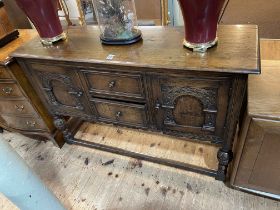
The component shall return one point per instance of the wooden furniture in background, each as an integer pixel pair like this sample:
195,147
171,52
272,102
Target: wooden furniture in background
20,108
153,12
7,30
16,15
154,85
257,166
259,12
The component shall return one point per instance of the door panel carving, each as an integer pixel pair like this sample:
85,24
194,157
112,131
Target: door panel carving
63,93
188,111
61,90
193,106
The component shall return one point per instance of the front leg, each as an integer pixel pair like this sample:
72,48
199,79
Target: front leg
224,158
60,124
225,154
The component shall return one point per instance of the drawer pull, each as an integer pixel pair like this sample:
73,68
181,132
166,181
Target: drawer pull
20,108
31,123
118,115
112,84
7,90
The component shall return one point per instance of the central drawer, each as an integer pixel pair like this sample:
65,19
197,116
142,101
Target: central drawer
121,113
114,85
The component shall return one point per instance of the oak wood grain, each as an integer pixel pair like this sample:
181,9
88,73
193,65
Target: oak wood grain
5,52
237,51
264,95
256,164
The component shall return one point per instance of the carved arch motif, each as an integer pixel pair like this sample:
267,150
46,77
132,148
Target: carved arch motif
47,78
207,97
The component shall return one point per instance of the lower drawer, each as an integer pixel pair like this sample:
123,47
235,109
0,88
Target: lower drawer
122,113
17,107
24,123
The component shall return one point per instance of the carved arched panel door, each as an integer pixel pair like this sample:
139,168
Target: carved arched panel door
63,92
195,108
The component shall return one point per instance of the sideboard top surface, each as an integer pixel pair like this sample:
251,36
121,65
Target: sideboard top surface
161,48
24,36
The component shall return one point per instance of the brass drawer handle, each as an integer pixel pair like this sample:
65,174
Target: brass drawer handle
77,93
157,105
118,115
7,90
31,123
112,84
20,108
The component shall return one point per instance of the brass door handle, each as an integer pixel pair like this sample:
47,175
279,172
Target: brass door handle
118,115
7,90
112,84
158,105
31,123
77,93
20,108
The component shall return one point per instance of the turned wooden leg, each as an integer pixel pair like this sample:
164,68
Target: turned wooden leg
224,158
60,124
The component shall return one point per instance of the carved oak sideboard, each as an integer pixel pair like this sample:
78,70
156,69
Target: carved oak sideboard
155,84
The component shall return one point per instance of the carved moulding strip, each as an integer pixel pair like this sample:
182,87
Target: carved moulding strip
195,136
47,78
208,96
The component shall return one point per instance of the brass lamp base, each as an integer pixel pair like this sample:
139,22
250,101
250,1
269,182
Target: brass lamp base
200,47
50,41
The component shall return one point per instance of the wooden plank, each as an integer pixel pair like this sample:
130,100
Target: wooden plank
6,204
270,49
264,91
147,143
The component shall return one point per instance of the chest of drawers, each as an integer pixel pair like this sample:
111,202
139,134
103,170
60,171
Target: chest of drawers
155,85
20,108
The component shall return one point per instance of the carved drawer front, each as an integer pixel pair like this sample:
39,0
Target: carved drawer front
9,89
24,123
4,74
122,113
17,107
62,90
118,85
194,107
